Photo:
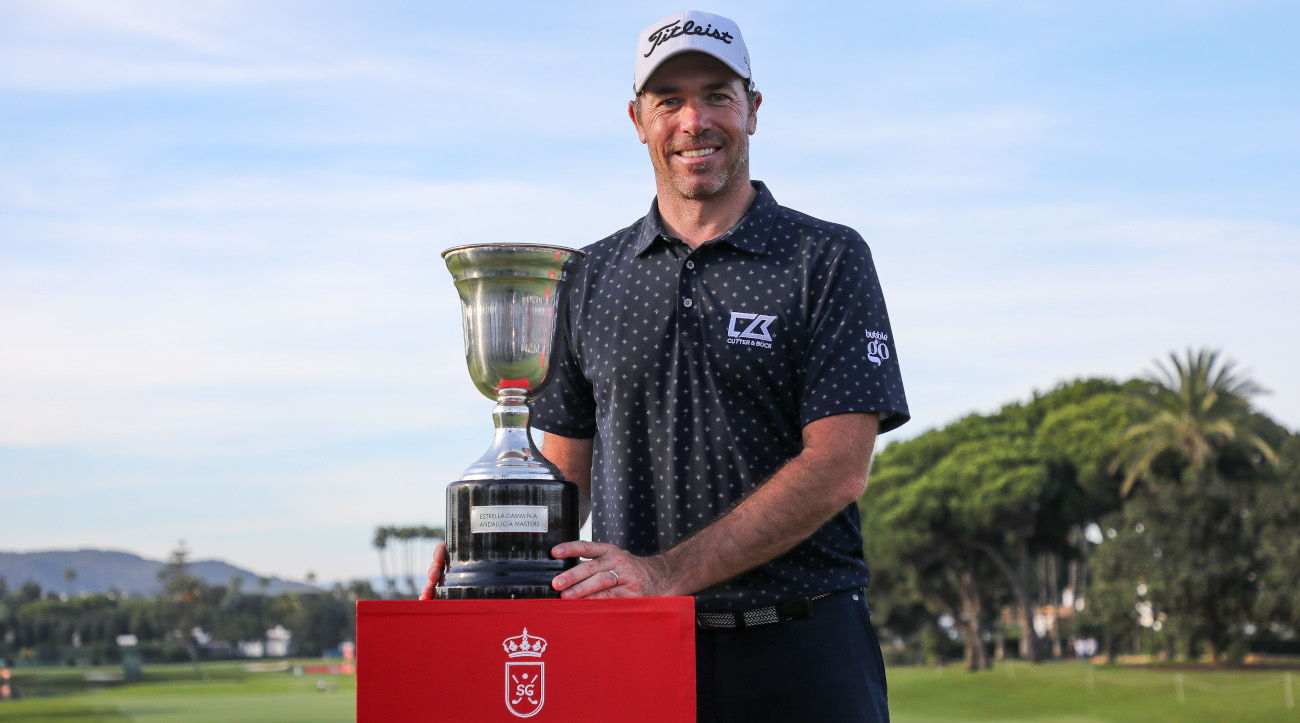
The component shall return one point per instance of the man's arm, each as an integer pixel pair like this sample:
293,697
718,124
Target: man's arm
830,473
573,457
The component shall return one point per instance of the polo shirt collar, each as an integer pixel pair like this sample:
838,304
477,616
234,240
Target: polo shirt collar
749,234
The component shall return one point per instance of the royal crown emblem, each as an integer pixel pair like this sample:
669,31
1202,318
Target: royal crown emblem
524,646
525,681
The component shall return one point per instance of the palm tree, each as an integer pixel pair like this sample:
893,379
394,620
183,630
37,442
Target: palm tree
381,543
405,535
1191,410
394,559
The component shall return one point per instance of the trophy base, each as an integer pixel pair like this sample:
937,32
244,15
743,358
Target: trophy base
488,562
499,585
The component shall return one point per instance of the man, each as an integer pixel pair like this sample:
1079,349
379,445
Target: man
726,367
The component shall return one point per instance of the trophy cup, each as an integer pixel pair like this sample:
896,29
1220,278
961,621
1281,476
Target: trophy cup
511,506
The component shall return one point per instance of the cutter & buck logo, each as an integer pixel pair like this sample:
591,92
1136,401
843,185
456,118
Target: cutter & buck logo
525,680
750,329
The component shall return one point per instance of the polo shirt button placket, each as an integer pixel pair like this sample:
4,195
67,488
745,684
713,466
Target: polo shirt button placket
689,323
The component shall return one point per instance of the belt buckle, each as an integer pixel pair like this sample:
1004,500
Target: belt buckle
796,609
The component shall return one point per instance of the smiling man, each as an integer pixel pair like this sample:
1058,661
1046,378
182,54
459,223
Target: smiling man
726,366
698,149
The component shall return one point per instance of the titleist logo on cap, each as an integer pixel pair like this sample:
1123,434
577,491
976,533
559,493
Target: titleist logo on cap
689,31
677,29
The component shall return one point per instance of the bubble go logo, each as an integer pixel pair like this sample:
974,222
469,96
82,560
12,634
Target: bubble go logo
877,349
525,681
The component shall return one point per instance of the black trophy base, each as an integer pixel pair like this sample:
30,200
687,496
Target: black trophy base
490,562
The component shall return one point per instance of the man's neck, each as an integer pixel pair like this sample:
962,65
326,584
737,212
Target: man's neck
695,222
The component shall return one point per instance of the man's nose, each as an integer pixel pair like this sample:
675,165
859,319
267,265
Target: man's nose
695,118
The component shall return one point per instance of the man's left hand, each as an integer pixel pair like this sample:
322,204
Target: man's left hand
609,572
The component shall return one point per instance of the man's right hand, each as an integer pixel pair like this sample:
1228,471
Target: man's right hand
437,571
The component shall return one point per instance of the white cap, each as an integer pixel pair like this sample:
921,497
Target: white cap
685,32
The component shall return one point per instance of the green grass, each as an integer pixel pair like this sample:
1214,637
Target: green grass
1080,693
173,693
1048,693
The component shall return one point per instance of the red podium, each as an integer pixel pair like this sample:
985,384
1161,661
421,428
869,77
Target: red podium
549,660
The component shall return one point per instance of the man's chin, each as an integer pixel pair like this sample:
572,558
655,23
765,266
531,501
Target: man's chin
700,189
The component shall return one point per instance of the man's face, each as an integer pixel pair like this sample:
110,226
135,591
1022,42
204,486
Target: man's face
696,120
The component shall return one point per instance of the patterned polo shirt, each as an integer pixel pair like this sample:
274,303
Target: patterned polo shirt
696,371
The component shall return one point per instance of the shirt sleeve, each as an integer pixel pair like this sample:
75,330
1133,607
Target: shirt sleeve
851,362
568,406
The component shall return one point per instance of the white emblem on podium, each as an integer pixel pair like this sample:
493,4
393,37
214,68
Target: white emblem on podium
525,680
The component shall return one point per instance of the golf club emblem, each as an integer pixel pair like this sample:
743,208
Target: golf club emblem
525,680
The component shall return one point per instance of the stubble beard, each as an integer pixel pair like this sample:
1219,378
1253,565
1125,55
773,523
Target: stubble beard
681,181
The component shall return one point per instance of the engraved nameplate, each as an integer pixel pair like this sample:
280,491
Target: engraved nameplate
507,518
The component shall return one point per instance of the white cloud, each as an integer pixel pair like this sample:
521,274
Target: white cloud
83,45
310,301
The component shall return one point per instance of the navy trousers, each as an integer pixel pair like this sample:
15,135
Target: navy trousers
826,668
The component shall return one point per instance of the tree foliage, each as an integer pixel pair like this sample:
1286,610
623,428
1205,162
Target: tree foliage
979,499
40,625
982,522
414,545
179,602
1189,411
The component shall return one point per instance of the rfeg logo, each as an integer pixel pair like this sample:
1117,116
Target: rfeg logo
750,329
877,349
525,681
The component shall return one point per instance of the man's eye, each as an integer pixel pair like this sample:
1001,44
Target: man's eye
668,102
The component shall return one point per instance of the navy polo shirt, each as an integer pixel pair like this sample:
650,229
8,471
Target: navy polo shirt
696,370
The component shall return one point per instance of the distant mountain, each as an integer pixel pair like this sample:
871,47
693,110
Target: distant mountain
104,570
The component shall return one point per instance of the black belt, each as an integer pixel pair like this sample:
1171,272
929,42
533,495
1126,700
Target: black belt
792,610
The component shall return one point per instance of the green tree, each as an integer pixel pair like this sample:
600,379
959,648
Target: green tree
1209,540
1278,599
241,616
380,543
1009,488
912,536
1188,411
180,603
408,547
405,536
1114,593
1191,552
6,618
318,621
1000,487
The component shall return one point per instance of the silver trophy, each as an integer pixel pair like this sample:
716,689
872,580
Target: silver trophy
511,506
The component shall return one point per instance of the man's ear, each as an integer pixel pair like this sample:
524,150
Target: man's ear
631,113
752,125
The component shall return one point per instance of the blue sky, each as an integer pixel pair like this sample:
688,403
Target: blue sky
225,319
